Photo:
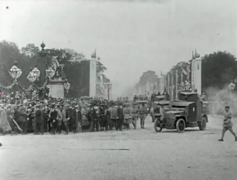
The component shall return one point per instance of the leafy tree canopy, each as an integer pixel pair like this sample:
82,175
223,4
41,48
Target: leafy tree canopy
218,69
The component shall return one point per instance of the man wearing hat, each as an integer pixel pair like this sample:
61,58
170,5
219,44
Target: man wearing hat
22,117
46,118
59,118
65,118
78,118
53,118
114,116
142,115
134,114
120,120
96,115
227,124
127,116
73,118
39,119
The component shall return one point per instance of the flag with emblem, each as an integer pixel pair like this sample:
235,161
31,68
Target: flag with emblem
0,92
185,72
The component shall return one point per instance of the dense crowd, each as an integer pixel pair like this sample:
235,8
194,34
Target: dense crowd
56,115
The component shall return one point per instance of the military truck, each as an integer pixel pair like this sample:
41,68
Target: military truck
184,113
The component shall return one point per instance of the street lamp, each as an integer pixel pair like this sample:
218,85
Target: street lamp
43,52
108,87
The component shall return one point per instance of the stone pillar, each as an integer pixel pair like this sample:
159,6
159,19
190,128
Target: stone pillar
172,83
93,78
176,84
197,75
168,85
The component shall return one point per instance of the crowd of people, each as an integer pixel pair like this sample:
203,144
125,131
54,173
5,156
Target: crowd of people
55,115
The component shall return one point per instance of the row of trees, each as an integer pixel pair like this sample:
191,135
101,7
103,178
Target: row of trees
29,56
218,70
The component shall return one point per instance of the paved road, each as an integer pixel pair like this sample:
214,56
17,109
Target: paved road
132,155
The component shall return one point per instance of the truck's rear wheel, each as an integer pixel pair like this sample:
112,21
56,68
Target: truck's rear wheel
180,125
203,124
157,125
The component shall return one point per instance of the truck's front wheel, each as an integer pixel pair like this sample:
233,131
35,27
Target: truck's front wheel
157,125
180,125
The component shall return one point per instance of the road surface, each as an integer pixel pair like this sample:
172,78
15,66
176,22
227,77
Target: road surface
128,155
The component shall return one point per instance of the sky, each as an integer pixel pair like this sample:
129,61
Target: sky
130,37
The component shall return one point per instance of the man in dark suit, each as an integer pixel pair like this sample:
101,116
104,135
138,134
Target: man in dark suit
38,119
120,117
53,118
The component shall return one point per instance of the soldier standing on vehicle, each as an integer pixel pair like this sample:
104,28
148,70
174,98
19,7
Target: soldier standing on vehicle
142,115
227,124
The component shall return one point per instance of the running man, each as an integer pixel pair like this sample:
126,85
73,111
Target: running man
227,124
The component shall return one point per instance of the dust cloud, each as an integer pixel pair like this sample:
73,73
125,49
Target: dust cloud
219,98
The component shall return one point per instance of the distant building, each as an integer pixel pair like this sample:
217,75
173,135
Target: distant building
183,76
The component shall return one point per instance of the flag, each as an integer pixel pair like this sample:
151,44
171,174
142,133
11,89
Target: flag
180,64
184,71
0,92
93,55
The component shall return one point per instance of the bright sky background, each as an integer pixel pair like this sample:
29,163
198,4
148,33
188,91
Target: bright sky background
130,37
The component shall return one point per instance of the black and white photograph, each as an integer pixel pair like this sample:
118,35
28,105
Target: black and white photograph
118,89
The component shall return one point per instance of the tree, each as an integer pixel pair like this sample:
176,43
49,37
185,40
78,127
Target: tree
218,69
74,56
30,50
100,68
9,53
149,76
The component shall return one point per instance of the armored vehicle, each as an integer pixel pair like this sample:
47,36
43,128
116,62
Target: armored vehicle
184,113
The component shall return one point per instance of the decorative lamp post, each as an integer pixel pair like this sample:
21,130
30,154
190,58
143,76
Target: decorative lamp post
15,72
108,86
43,52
